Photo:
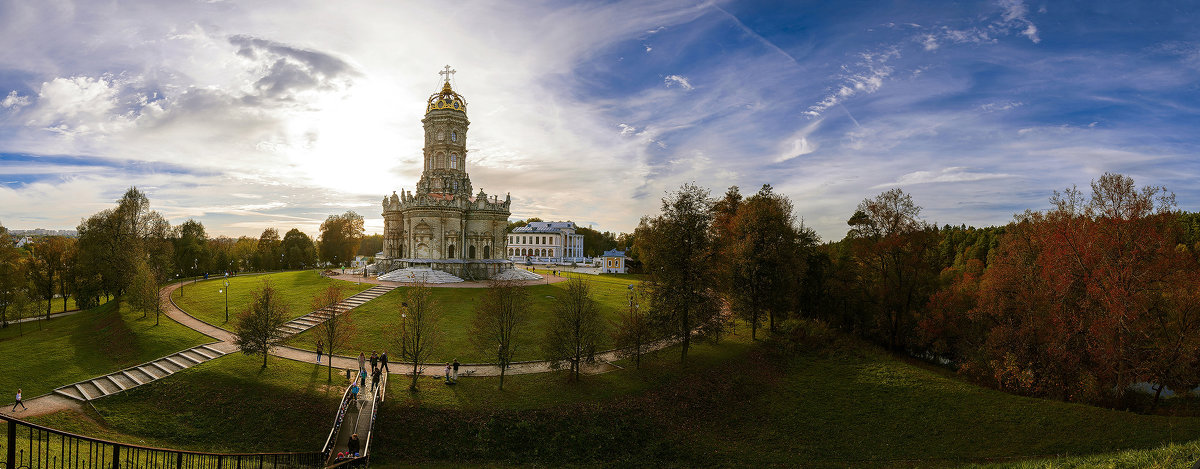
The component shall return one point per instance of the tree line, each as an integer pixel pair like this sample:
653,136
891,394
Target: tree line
130,250
1081,302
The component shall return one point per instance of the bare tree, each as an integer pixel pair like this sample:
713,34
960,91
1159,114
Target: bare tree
499,318
258,326
632,330
574,329
419,333
337,330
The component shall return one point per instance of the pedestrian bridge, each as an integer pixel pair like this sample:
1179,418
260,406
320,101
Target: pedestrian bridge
356,415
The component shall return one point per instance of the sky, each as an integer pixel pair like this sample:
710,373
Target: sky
249,115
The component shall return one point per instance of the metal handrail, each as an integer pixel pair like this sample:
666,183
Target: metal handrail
337,421
110,453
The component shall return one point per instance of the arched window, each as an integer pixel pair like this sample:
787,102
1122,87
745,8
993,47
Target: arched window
471,252
454,161
487,252
450,252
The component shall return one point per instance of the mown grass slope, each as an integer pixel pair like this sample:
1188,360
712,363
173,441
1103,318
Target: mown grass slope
377,323
735,403
205,300
229,404
41,356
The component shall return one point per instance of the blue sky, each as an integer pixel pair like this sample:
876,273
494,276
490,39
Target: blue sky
277,114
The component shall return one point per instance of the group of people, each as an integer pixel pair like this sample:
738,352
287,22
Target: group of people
452,372
352,449
379,366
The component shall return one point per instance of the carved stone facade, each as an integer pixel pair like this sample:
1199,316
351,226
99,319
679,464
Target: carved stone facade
442,225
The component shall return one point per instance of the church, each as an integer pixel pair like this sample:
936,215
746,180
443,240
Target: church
441,225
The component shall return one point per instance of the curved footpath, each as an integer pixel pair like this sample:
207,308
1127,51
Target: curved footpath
52,402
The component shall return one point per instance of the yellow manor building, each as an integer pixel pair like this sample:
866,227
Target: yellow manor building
442,225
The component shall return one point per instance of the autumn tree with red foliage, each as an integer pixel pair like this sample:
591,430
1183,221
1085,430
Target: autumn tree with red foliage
1089,298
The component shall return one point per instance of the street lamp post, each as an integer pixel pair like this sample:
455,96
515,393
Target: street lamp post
180,277
226,297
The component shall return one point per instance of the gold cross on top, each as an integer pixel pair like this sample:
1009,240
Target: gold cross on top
447,72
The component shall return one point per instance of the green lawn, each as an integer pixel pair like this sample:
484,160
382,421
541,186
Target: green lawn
205,300
225,405
733,404
376,323
84,345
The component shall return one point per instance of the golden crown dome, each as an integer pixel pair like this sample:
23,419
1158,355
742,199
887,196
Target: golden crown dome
446,99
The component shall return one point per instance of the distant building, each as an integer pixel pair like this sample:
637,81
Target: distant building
24,242
546,242
612,262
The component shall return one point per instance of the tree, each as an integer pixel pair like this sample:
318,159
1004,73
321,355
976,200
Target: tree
890,244
191,247
340,237
46,267
763,258
632,331
143,289
258,329
337,330
267,255
499,319
419,333
677,250
298,250
575,328
110,240
371,245
12,277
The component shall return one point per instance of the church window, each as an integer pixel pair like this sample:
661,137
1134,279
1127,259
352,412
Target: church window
487,252
450,252
471,252
454,161
453,136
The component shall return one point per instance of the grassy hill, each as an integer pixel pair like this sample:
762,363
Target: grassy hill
735,403
377,322
39,357
206,301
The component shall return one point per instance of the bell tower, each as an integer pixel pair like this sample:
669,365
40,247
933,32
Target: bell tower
445,152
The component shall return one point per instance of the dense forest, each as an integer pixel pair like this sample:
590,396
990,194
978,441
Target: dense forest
1081,302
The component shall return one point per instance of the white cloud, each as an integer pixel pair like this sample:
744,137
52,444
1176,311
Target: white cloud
864,77
951,174
14,101
680,80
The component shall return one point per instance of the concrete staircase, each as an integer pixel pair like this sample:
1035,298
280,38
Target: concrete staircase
517,274
311,320
132,377
413,275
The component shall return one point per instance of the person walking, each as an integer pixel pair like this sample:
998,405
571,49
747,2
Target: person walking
375,378
447,373
362,378
374,361
354,392
383,362
455,366
352,445
19,402
320,348
362,361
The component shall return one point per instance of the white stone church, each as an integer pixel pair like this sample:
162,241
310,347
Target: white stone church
442,225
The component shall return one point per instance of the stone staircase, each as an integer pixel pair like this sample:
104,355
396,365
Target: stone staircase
132,377
516,274
311,320
413,275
